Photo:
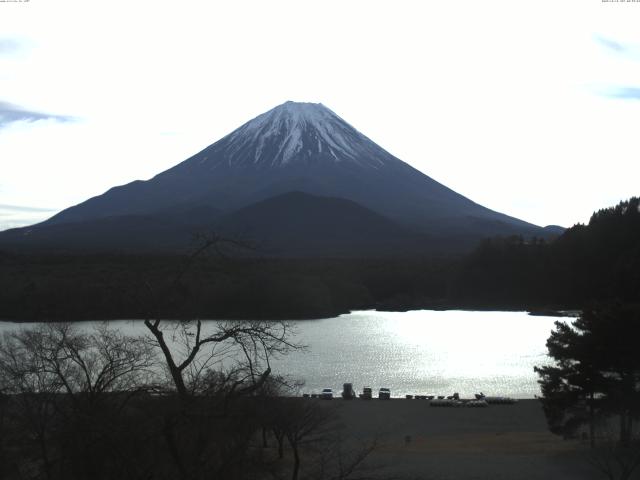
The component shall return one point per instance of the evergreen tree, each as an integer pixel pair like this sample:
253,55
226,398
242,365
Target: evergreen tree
571,387
596,371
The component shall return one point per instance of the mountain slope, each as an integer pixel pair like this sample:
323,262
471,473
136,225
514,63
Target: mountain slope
294,224
305,148
173,230
299,224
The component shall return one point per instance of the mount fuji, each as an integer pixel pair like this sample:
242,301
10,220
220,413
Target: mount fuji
297,178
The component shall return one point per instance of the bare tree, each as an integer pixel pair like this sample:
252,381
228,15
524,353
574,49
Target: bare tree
342,459
316,439
212,367
61,359
615,459
4,401
241,349
33,391
68,390
303,422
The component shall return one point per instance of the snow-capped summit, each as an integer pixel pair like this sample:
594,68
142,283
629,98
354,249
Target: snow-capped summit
297,132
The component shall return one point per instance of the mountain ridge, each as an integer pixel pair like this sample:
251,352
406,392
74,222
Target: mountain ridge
307,148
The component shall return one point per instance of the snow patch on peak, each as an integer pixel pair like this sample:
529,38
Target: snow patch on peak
296,129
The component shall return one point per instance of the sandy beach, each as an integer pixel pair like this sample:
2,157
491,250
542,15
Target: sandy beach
417,441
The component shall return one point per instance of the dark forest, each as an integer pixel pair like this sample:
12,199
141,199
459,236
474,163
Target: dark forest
589,263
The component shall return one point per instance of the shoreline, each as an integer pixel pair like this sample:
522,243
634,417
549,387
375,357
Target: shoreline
338,398
562,313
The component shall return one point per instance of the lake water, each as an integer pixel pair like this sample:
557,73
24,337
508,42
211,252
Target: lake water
417,352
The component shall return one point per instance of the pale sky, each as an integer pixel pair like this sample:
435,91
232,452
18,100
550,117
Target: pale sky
531,108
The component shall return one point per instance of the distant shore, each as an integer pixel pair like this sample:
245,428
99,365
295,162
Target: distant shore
568,313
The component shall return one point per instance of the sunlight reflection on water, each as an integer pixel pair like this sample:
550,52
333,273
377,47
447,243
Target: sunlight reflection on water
416,352
424,352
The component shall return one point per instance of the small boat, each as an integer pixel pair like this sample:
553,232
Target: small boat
500,400
477,403
496,400
444,402
366,393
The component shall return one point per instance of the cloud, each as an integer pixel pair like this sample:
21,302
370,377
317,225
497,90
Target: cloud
621,51
14,216
9,46
611,44
632,93
631,52
10,113
22,208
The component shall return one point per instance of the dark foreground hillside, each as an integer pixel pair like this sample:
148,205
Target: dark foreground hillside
396,439
598,262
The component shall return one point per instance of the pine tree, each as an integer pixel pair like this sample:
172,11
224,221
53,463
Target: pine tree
596,372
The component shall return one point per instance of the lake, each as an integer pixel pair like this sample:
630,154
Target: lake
416,352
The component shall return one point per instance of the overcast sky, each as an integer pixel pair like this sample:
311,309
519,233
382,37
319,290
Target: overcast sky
531,108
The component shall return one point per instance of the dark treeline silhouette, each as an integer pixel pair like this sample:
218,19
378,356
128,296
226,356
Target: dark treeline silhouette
597,261
72,287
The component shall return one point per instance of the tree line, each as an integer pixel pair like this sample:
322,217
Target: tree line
599,261
592,387
110,286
